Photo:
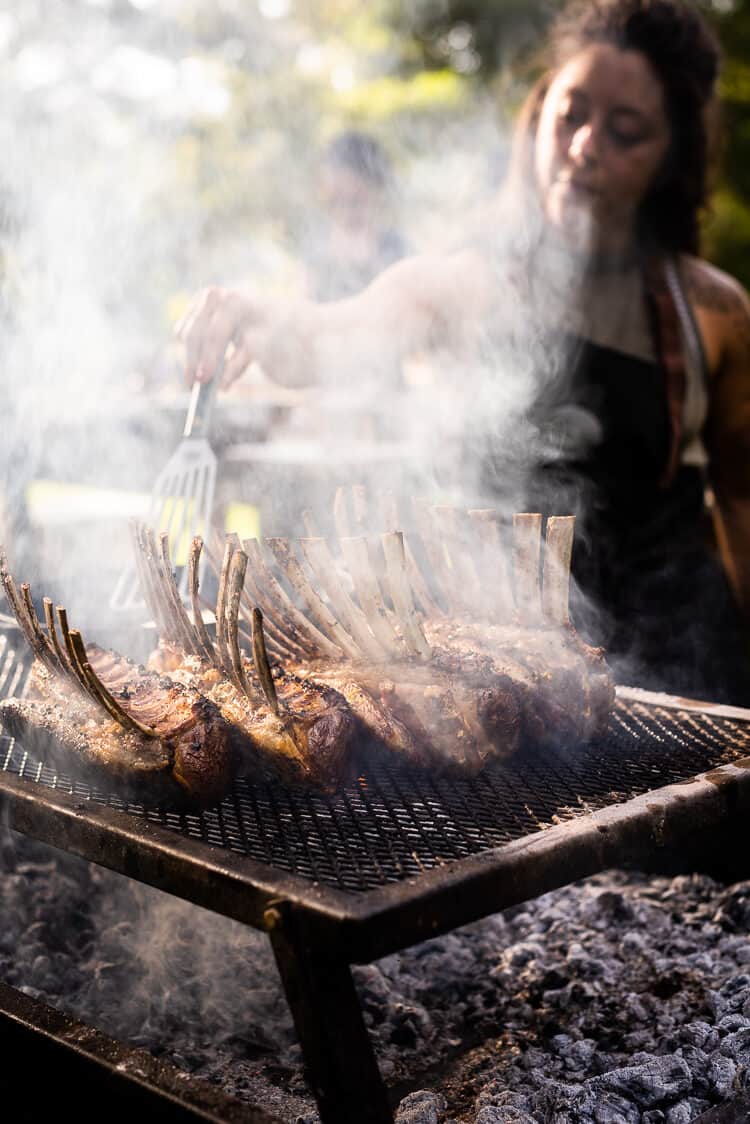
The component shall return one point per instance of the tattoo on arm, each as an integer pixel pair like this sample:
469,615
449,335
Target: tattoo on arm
740,327
713,296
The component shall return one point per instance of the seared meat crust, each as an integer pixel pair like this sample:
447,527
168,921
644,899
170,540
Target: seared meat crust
563,686
309,740
436,715
190,760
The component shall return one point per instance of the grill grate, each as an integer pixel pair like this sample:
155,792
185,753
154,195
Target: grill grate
396,822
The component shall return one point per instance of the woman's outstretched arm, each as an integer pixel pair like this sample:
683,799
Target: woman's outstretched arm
416,304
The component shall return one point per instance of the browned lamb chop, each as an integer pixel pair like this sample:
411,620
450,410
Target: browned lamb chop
284,725
450,654
424,705
96,713
565,685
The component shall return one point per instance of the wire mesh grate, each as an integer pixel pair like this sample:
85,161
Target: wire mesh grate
395,822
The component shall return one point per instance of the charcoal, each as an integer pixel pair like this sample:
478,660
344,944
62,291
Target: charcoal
613,1109
653,1082
722,1074
701,1035
421,1108
203,992
687,1111
504,1115
737,1045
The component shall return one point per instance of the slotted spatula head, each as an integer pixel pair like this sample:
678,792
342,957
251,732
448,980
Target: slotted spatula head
182,497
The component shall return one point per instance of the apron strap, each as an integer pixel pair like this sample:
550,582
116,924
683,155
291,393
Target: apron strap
665,325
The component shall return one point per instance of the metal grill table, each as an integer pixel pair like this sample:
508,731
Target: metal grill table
400,855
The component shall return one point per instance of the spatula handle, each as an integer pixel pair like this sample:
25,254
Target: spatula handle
202,398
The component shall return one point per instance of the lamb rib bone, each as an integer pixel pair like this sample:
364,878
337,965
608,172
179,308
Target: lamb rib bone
206,646
557,558
64,662
527,546
358,561
350,616
62,617
100,691
277,607
91,682
433,548
359,506
322,617
221,602
236,579
291,624
149,580
279,643
453,531
45,642
391,522
161,594
260,659
495,561
284,647
307,738
183,624
393,548
19,612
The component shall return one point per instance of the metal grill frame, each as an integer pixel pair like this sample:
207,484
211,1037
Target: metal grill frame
318,932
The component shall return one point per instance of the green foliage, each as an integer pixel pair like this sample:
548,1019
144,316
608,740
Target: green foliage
478,37
727,229
433,91
727,234
225,183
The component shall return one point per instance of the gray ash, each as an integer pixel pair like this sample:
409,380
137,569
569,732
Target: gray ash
622,998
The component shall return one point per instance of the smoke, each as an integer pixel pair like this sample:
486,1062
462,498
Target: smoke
140,965
155,148
148,154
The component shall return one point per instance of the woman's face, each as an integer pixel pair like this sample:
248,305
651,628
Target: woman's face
602,138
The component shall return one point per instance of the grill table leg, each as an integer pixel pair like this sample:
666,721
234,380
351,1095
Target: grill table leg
339,1059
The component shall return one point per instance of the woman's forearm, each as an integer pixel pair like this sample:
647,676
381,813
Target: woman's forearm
408,308
416,304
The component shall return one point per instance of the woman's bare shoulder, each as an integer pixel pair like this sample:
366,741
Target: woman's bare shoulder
712,289
722,308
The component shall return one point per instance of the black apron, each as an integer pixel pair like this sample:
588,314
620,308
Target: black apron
647,585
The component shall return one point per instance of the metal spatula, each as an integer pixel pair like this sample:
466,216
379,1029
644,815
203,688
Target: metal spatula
182,497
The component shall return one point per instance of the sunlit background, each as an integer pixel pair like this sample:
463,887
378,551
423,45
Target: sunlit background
152,147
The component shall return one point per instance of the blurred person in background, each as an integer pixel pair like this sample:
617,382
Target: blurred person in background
352,237
348,238
604,366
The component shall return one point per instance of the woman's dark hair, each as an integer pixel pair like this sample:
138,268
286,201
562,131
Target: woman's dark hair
684,55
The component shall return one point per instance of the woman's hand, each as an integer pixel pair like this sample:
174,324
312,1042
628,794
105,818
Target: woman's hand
223,332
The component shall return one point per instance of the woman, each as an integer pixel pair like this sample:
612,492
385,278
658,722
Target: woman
640,350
